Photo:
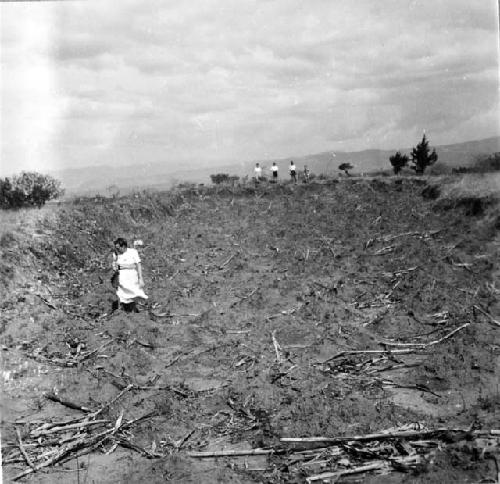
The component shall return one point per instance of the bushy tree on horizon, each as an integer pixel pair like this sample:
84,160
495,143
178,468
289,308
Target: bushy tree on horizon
28,189
421,158
345,167
398,161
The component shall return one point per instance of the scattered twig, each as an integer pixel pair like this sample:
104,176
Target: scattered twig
163,387
228,261
174,274
23,451
431,343
66,450
327,243
277,348
108,404
283,374
141,343
178,445
177,358
47,302
396,366
390,238
242,298
377,318
488,315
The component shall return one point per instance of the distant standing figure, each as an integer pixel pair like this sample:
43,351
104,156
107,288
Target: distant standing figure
274,169
293,172
258,173
306,174
130,282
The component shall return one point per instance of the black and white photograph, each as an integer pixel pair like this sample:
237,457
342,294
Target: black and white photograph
249,241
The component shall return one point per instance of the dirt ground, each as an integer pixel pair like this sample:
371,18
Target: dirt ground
259,298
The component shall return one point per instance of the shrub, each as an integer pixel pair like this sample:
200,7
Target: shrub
398,161
490,163
5,192
421,158
482,164
219,178
28,189
234,179
345,167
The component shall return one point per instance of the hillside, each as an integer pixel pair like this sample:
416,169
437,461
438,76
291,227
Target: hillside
455,155
336,328
97,179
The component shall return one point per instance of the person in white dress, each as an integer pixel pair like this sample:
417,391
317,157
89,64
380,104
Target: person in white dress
130,282
258,173
274,170
293,172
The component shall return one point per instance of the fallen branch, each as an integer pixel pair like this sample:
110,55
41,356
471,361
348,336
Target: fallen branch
420,388
178,445
409,434
234,453
47,302
431,343
142,343
129,445
53,397
362,352
64,428
356,470
173,315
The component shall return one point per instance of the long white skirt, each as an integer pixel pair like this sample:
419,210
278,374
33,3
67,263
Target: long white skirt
129,290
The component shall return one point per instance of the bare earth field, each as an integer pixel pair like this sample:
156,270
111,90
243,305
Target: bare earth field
337,309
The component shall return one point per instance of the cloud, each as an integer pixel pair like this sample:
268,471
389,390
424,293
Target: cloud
216,80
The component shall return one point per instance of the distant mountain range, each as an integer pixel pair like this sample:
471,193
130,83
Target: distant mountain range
104,179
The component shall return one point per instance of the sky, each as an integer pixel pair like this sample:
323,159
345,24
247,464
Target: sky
212,82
